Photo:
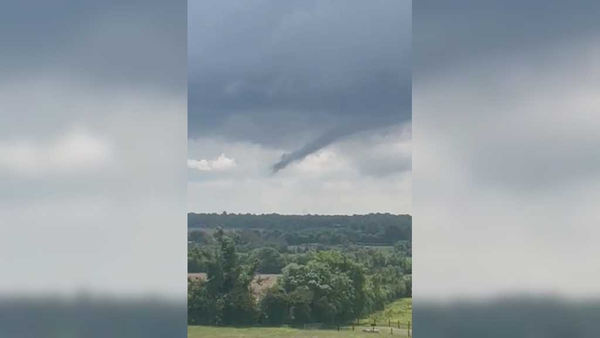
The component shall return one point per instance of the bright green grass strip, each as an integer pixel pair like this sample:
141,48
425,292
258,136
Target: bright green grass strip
400,310
256,332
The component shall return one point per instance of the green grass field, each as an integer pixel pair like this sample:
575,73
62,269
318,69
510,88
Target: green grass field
400,310
268,332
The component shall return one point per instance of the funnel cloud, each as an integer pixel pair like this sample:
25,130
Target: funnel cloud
321,142
310,148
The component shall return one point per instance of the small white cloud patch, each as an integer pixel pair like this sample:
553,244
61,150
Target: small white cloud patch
221,163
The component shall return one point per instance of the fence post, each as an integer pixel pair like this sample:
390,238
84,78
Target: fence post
398,324
391,330
352,327
409,328
389,323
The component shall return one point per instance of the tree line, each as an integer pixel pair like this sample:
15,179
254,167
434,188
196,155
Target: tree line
292,230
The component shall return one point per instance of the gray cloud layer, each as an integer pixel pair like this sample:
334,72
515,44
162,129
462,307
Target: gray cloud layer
92,135
297,74
113,42
467,31
506,177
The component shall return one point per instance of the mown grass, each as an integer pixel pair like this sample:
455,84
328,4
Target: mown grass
273,332
400,310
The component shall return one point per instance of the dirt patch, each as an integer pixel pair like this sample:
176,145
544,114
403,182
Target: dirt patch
259,284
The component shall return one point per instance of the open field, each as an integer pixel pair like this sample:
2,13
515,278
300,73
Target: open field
281,332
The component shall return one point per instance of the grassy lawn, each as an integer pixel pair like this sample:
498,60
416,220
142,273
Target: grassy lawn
228,332
400,310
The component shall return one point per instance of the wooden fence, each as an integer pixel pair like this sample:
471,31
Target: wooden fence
392,327
398,325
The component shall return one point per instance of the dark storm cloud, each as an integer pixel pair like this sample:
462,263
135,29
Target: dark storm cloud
465,31
273,72
115,42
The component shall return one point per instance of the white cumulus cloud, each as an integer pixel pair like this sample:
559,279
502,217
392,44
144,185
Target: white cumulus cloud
221,163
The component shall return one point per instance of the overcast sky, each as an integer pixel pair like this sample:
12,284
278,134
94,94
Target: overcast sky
299,106
92,146
506,161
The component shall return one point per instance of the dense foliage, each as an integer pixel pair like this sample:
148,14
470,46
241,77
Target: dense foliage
272,259
327,286
225,298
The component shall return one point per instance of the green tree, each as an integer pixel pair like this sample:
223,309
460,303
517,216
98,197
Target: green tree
226,294
269,260
275,306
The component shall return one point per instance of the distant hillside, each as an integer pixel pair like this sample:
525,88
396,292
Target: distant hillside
293,222
372,229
